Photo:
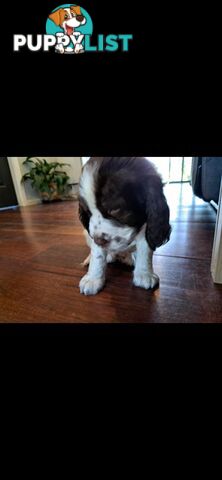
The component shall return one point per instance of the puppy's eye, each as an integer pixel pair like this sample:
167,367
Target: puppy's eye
66,16
72,14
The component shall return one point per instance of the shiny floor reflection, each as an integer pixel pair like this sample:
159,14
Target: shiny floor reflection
42,247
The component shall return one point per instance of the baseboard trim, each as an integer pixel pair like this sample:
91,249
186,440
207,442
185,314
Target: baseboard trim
32,202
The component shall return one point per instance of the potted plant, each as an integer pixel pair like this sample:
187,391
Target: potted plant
47,178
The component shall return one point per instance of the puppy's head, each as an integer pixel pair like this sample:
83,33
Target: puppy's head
68,18
120,198
107,231
128,193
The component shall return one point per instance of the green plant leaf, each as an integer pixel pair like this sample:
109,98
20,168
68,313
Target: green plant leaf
44,174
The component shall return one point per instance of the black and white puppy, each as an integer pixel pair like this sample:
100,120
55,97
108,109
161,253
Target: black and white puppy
124,211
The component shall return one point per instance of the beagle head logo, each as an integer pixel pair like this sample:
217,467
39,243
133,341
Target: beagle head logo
68,18
69,23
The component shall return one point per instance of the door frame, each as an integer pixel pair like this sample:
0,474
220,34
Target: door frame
14,202
16,177
216,262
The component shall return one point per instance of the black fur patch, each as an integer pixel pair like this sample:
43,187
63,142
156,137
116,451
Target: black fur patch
84,213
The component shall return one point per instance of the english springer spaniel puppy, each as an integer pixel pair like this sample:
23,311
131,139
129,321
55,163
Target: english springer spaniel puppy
126,217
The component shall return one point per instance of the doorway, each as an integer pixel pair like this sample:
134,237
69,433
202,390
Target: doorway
8,197
173,169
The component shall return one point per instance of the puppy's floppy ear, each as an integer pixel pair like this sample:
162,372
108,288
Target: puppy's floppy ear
158,215
55,16
84,214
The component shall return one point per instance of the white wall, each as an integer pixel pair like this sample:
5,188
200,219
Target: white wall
25,193
29,192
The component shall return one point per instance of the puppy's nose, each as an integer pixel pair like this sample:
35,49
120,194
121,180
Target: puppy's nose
101,241
80,18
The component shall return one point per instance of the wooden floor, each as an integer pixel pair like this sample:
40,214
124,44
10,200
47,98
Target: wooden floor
42,247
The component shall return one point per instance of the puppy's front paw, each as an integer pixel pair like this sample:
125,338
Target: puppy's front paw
145,280
91,286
